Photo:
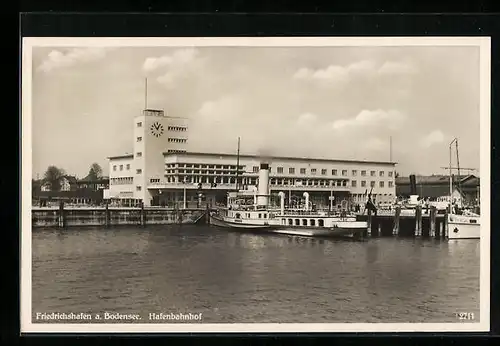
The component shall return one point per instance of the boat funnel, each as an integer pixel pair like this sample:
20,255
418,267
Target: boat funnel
306,196
282,202
263,192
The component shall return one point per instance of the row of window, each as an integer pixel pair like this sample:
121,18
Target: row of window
280,170
177,128
170,128
122,181
193,165
121,167
176,151
277,181
324,171
177,140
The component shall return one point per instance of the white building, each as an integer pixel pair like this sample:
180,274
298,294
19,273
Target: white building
160,171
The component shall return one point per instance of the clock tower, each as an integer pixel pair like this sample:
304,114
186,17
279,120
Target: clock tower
154,134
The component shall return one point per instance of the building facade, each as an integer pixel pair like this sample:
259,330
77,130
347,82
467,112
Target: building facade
161,171
436,186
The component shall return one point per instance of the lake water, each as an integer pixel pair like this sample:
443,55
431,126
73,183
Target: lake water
232,277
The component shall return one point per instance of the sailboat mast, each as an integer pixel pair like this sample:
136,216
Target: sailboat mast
238,166
458,167
451,177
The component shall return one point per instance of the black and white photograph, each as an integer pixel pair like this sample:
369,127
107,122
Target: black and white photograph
255,184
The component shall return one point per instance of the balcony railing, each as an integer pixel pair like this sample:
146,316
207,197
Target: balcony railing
232,186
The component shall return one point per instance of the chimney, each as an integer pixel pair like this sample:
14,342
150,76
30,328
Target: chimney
263,188
413,184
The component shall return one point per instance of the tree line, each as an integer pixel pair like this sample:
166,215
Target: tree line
54,175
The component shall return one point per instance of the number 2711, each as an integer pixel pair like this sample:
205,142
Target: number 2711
465,315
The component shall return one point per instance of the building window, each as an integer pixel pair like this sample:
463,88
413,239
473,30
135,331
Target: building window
381,184
138,188
177,140
291,170
334,172
177,128
363,183
323,171
280,170
139,139
354,172
381,173
114,168
344,172
139,124
302,171
354,183
255,169
128,166
391,184
138,171
389,173
313,171
139,154
363,173
121,167
372,173
372,183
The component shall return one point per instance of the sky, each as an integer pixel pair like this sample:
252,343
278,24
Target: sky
325,102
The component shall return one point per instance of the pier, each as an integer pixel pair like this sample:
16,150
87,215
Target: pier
419,223
68,217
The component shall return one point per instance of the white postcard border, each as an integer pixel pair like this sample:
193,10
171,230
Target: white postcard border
484,43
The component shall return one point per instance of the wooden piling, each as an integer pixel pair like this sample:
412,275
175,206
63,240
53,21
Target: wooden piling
62,216
432,222
143,215
397,216
379,229
207,215
369,228
418,221
107,216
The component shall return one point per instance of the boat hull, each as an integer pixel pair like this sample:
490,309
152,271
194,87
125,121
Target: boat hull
352,229
461,227
463,231
218,221
338,232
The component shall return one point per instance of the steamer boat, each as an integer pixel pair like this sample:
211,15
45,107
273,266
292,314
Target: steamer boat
249,210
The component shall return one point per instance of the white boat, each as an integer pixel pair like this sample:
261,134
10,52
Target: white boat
462,224
258,216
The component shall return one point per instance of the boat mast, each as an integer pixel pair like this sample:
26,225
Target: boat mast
451,177
238,166
458,170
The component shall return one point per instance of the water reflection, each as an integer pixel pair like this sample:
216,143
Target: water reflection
233,277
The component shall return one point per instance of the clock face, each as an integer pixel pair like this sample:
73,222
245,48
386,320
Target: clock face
156,129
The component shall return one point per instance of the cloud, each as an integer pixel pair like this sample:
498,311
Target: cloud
366,118
432,138
177,58
173,66
343,74
65,58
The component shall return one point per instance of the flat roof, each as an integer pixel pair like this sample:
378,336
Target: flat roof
252,156
125,156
